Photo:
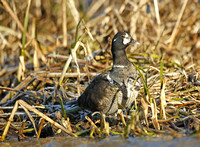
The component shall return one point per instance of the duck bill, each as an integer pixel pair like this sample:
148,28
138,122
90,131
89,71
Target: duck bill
134,42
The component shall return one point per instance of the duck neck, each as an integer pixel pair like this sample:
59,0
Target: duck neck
119,58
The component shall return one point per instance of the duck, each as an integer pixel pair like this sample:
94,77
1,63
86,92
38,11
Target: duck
117,87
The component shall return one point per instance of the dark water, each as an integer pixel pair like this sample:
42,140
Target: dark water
114,141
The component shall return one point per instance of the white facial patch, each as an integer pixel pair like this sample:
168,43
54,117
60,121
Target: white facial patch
126,39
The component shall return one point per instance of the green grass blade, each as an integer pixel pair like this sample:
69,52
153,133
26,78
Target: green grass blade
144,81
25,28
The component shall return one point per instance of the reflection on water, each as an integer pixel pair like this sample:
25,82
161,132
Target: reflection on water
113,141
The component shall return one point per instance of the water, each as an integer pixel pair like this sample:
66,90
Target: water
113,141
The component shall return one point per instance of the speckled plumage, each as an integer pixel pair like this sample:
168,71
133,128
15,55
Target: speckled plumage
120,85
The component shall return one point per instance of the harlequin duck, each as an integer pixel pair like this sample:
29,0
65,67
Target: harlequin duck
118,86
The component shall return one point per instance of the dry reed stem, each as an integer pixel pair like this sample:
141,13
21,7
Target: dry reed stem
78,69
94,63
145,111
66,75
66,124
64,22
73,55
68,62
40,128
31,118
9,121
94,7
38,10
86,51
154,115
73,10
157,11
88,31
107,129
93,124
22,129
166,120
99,18
36,63
163,103
176,28
21,69
10,11
22,84
38,49
64,70
30,108
122,118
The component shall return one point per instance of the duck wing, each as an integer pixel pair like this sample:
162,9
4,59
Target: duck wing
102,95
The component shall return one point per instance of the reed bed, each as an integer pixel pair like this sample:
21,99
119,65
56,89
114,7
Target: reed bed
51,50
